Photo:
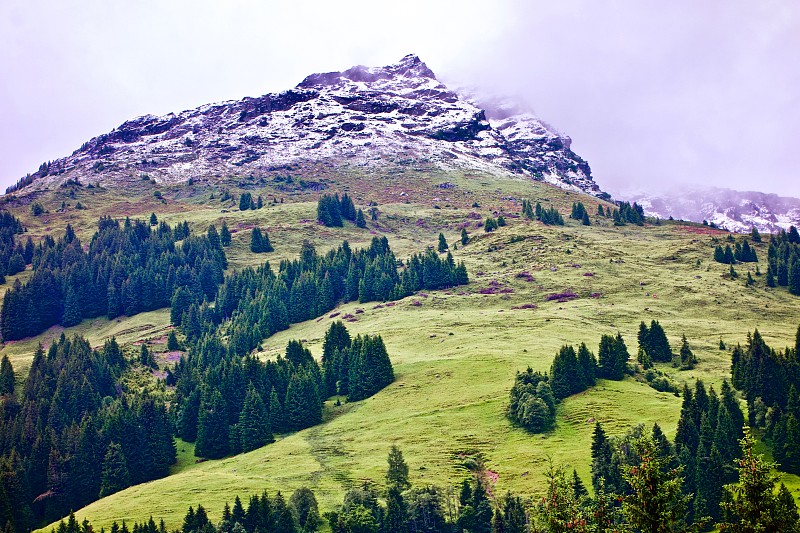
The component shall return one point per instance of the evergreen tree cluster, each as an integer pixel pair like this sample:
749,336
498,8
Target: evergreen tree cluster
742,252
654,499
13,254
246,202
228,404
770,381
572,372
579,212
532,403
72,435
255,303
628,214
357,368
259,242
653,343
612,357
127,269
332,211
549,216
700,462
784,261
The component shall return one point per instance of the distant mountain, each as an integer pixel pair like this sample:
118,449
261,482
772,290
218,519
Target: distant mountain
394,116
733,210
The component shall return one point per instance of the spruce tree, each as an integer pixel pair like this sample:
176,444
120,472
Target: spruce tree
153,219
172,342
656,502
443,247
751,504
72,309
464,237
6,377
212,427
688,360
225,235
254,429
115,471
361,222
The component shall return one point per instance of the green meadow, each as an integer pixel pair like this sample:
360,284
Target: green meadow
455,352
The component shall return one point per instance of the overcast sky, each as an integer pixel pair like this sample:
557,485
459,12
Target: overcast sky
652,93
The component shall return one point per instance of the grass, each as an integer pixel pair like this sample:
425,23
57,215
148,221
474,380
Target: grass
455,355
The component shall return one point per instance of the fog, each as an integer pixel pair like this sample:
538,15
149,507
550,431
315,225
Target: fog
653,94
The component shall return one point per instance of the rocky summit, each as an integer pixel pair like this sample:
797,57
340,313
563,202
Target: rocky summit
394,116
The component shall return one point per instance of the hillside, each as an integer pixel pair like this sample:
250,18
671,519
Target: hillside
455,352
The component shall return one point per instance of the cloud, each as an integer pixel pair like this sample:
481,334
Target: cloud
650,92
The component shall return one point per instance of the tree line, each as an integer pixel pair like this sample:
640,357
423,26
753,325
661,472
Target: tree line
332,211
128,268
13,254
784,261
253,304
769,380
227,404
74,434
651,495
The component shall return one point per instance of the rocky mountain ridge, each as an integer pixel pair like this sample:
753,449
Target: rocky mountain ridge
398,115
738,211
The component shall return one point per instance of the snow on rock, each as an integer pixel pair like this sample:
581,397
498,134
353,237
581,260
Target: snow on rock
732,210
397,115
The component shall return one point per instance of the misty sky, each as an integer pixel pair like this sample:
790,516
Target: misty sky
652,93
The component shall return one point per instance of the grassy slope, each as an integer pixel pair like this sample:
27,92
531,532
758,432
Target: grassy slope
455,355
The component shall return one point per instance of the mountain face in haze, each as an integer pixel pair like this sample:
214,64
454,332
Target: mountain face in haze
394,116
733,210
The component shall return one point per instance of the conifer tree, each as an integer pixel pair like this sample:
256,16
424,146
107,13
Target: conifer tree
254,429
751,504
656,503
72,308
688,360
443,247
153,219
172,342
6,377
397,473
755,235
212,427
464,237
585,219
225,235
361,222
115,471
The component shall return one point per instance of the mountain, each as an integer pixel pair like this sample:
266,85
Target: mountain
737,211
398,115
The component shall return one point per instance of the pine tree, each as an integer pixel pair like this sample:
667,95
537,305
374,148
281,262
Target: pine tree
656,503
153,219
442,244
225,235
259,243
212,427
361,222
794,276
245,201
72,308
755,235
396,520
305,507
6,377
115,471
585,220
254,429
688,360
464,237
751,504
172,342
